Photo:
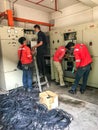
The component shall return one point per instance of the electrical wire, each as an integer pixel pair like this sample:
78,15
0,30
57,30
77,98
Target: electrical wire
20,110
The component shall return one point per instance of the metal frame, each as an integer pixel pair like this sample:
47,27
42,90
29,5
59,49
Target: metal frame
8,14
38,3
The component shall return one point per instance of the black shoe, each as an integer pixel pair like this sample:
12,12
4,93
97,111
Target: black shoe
57,83
82,91
72,91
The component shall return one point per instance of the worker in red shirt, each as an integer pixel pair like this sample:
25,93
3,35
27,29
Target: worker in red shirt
83,65
25,56
57,59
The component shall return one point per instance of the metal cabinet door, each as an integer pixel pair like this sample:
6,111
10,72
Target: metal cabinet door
9,50
90,38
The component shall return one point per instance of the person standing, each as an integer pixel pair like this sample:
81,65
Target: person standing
83,65
25,56
41,49
57,59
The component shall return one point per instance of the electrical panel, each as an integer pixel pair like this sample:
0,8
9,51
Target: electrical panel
90,39
56,40
85,33
10,76
70,36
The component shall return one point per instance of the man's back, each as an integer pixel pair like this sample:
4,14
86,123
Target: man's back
59,54
82,55
42,37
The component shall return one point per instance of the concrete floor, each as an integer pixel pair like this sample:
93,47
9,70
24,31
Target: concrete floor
84,108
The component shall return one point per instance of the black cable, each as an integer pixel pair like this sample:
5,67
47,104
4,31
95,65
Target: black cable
20,110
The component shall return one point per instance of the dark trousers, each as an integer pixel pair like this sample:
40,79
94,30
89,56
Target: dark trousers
82,72
27,78
41,63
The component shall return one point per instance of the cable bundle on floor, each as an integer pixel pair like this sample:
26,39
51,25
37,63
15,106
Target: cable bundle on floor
20,110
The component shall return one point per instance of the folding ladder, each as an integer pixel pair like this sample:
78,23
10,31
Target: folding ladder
39,82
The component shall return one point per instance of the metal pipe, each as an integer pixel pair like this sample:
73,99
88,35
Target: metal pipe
49,28
56,8
32,21
39,1
10,17
43,6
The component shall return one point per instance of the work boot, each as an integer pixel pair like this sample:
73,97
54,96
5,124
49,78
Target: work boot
72,91
82,91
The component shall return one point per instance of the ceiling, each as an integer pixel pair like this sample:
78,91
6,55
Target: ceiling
51,6
49,3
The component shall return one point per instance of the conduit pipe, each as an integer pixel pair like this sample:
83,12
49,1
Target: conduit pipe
45,5
56,5
10,18
9,15
32,21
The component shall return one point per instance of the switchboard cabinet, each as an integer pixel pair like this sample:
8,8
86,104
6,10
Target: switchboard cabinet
84,33
90,38
10,76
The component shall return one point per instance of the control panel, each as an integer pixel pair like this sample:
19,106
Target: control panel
10,76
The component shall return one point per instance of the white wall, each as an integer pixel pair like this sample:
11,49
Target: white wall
26,12
4,5
32,14
76,14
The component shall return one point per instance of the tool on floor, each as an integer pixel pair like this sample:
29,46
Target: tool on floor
39,82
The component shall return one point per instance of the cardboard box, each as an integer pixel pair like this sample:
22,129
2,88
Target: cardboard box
49,99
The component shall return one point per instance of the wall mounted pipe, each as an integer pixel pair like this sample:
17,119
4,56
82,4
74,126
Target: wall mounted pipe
56,8
32,21
9,16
